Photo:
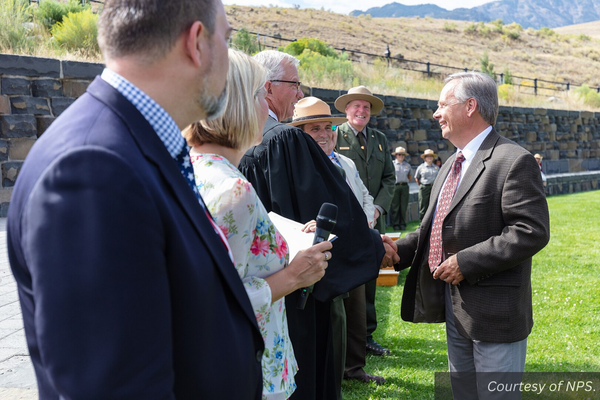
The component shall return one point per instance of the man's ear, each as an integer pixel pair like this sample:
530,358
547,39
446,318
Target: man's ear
195,43
471,106
268,86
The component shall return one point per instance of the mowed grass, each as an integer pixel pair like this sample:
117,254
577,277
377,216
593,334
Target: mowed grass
566,312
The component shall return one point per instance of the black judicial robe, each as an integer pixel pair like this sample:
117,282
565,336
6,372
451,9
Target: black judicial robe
293,177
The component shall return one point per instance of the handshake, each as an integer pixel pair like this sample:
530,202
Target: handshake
391,256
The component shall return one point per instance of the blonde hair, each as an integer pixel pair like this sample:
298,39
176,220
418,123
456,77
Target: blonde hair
237,127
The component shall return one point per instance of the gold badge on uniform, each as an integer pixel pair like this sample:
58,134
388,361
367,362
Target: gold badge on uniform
380,149
344,148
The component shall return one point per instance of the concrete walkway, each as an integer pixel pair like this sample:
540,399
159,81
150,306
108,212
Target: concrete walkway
17,378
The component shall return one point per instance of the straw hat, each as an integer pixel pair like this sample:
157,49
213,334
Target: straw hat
428,152
310,110
359,93
538,157
401,151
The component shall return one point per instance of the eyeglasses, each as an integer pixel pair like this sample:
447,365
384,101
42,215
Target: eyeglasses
444,106
295,83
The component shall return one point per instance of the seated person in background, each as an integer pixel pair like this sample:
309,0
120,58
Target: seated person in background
260,253
313,116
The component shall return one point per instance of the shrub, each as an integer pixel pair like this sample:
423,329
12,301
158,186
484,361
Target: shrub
78,31
588,95
545,32
506,92
49,12
318,46
449,26
584,38
14,15
245,42
316,66
498,25
471,29
512,35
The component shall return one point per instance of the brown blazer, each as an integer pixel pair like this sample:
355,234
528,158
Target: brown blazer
497,221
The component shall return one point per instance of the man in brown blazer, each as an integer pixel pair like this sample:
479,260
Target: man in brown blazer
482,235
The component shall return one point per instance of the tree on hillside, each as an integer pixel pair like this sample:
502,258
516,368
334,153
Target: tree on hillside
487,67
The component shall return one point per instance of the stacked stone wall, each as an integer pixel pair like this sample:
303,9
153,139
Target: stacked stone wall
35,91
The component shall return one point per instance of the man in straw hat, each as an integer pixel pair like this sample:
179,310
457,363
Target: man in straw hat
368,148
313,116
293,177
425,176
400,200
471,258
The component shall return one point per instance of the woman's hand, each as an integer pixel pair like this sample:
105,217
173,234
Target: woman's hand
308,267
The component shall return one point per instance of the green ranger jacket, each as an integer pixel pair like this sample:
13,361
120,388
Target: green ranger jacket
376,169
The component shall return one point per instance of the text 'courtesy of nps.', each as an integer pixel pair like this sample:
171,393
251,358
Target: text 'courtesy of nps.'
512,385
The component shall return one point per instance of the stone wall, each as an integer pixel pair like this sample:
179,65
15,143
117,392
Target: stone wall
34,91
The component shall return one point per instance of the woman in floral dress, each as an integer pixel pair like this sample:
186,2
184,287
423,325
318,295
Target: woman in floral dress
260,252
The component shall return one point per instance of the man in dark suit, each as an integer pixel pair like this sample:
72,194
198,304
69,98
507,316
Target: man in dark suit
126,288
293,177
471,257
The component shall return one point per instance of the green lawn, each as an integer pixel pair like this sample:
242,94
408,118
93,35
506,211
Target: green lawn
566,312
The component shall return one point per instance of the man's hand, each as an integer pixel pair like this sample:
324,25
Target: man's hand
376,215
391,252
448,271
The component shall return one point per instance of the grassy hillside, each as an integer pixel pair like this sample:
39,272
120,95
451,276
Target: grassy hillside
542,54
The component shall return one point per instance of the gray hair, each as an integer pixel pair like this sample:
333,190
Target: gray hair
149,28
482,88
273,61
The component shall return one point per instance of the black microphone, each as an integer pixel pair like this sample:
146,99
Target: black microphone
325,222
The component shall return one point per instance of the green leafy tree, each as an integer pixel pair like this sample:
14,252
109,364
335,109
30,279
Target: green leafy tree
50,12
245,42
508,78
487,67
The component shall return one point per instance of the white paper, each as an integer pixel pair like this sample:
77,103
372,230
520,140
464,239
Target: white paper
292,232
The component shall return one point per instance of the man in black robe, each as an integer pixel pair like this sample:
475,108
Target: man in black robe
293,177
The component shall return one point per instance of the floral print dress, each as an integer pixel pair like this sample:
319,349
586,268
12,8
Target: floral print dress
259,251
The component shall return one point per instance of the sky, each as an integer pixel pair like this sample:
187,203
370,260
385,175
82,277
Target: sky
345,6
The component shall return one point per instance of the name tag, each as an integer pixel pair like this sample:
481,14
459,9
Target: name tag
344,148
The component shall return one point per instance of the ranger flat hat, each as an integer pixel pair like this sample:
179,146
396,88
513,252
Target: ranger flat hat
359,93
428,152
400,150
311,109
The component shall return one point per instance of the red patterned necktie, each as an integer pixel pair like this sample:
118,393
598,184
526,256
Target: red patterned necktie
435,239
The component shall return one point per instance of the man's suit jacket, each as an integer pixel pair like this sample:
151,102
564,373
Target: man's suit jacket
358,187
125,288
376,168
497,221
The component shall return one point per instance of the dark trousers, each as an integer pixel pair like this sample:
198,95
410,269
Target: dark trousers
424,194
399,205
371,289
356,322
339,335
311,335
